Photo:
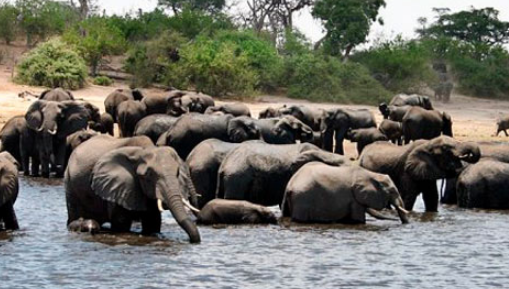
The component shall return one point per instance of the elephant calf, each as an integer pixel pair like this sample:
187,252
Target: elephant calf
220,211
503,125
365,136
323,193
393,130
84,226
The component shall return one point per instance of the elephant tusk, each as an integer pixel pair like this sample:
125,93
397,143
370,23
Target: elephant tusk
160,205
377,215
403,210
187,204
52,132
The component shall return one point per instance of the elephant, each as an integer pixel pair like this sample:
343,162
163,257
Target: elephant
271,112
393,130
419,123
443,91
322,193
29,151
484,185
364,137
392,112
414,168
129,113
235,109
8,191
311,116
93,111
204,161
106,124
259,172
186,102
10,136
220,211
337,122
121,180
286,130
156,104
52,122
191,129
154,125
57,94
113,100
502,125
76,139
412,100
84,226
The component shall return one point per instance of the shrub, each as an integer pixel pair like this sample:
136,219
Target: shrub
8,14
103,81
52,64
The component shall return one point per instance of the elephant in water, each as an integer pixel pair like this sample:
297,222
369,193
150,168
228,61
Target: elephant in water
8,191
121,180
323,193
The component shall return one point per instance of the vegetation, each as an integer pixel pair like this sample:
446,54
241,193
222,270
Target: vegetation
103,81
8,14
53,64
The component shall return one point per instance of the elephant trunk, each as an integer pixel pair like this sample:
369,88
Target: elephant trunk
174,201
402,213
468,152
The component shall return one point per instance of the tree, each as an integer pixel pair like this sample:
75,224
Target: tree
8,15
212,6
346,23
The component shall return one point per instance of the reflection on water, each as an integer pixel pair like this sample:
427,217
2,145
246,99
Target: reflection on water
452,248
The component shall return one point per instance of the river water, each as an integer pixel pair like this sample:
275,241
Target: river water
452,249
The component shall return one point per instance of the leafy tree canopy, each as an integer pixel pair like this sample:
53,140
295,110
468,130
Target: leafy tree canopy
212,6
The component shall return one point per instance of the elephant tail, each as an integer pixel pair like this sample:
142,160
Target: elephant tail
220,185
286,205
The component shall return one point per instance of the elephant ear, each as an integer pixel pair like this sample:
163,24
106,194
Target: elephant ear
114,178
368,189
34,115
75,118
137,95
43,94
8,179
421,163
447,124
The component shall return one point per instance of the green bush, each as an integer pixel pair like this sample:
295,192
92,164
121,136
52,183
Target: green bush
103,81
52,64
8,14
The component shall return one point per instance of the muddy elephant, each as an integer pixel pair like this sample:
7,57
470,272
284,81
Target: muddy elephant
322,193
284,130
259,172
414,168
10,136
8,191
337,122
311,116
186,102
114,99
52,122
364,137
57,94
121,180
392,112
106,124
412,100
419,123
393,130
204,161
235,109
443,91
129,113
220,211
154,125
193,128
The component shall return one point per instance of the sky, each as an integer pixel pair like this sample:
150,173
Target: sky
400,16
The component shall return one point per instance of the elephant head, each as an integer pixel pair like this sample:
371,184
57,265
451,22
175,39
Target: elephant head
335,119
292,128
137,94
271,112
384,110
134,177
242,128
440,158
376,191
447,124
426,103
79,137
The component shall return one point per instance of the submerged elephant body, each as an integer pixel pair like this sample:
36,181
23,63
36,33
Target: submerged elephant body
220,211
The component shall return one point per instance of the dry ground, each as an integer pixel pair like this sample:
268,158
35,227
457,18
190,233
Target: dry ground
473,118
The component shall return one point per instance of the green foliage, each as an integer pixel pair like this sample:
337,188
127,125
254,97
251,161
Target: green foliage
322,78
191,23
8,14
52,64
103,81
212,6
95,38
347,22
143,27
401,66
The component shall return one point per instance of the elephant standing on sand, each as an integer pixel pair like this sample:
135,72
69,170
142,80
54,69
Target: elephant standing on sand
443,91
323,193
412,100
121,180
185,102
8,191
311,116
414,168
365,136
419,123
114,99
129,113
392,112
57,94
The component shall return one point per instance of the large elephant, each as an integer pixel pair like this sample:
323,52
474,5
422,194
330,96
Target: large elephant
221,211
193,128
414,168
154,125
235,109
258,172
8,191
186,102
309,115
112,101
129,113
204,161
419,123
285,130
412,100
393,130
337,122
393,112
120,180
76,139
364,137
156,104
52,122
11,134
106,124
323,193
57,94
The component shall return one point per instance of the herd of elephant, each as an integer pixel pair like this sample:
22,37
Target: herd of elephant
184,153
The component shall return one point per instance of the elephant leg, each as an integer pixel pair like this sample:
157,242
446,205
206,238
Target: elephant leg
9,216
357,214
120,219
430,196
328,140
505,131
45,165
35,166
339,137
60,159
151,220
